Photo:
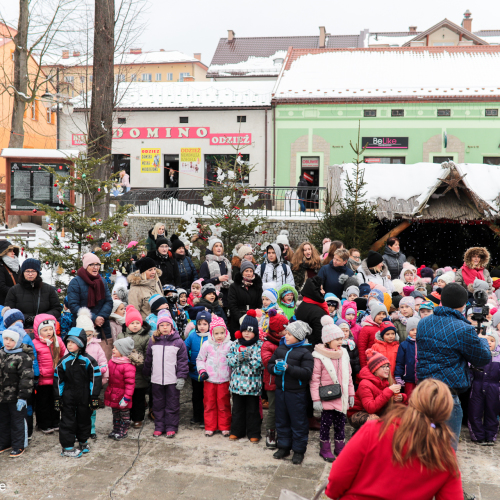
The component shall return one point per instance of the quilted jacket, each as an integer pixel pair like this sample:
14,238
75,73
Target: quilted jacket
246,376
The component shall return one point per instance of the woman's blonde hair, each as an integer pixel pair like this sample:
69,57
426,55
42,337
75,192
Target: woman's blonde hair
298,257
155,229
421,430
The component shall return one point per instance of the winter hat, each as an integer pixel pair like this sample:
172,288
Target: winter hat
326,245
145,263
496,319
448,277
277,322
271,294
361,304
212,242
427,272
176,243
412,323
376,294
208,288
375,360
132,314
155,301
89,258
216,322
244,250
74,336
11,334
387,301
180,291
350,310
387,326
331,297
396,300
116,305
495,273
494,334
283,238
31,264
246,264
480,285
407,290
454,296
11,316
364,289
161,240
198,282
407,301
417,295
352,289
204,315
427,305
84,320
341,322
398,286
330,330
121,289
373,259
300,330
165,316
124,346
250,322
435,296
351,281
47,322
376,308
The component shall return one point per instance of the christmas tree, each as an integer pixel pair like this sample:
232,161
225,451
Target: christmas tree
349,218
75,229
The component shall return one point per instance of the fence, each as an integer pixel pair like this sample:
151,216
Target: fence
272,201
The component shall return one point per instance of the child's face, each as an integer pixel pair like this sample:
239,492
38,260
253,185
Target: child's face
349,317
135,326
169,294
352,297
379,318
425,312
219,334
120,310
247,335
413,333
210,296
182,299
406,311
417,307
441,283
345,330
203,326
288,298
116,353
9,343
165,328
390,337
72,347
89,333
196,290
290,339
408,276
491,342
335,344
331,309
266,302
163,306
47,332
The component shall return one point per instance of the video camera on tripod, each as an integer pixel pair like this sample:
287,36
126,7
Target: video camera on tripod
479,309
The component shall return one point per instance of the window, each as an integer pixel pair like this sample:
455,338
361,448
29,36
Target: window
146,77
33,110
241,119
224,162
392,160
491,112
183,119
491,160
122,121
133,78
49,115
182,76
370,113
170,77
82,79
158,77
69,79
444,112
120,77
397,112
91,77
442,159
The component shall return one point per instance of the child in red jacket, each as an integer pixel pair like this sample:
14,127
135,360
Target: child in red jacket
387,343
370,326
121,385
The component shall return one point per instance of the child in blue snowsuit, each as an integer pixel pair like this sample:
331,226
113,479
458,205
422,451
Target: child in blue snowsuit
406,360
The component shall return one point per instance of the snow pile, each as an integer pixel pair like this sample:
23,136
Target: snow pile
253,66
484,180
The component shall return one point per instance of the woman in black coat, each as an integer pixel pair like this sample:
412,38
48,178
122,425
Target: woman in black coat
166,263
244,293
9,268
32,296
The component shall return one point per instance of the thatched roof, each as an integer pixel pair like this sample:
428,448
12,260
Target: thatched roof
430,191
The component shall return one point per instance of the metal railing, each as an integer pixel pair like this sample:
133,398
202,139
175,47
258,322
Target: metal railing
273,201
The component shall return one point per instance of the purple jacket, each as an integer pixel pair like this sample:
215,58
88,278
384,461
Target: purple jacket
166,359
488,375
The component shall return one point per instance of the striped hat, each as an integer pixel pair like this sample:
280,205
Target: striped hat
375,360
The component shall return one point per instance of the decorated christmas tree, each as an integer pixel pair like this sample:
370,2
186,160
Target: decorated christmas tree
75,229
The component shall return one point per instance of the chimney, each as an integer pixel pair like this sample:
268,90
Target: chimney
76,54
65,54
467,21
230,35
136,51
322,37
197,55
413,29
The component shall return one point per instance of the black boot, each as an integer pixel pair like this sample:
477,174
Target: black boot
298,458
281,453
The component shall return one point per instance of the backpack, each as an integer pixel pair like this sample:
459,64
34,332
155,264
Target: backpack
263,268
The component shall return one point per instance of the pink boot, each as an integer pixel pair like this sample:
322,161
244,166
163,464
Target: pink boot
326,451
339,446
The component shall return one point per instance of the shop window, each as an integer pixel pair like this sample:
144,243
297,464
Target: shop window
146,77
225,162
183,119
444,112
386,160
122,121
397,112
442,159
491,112
170,77
158,77
491,160
370,113
241,119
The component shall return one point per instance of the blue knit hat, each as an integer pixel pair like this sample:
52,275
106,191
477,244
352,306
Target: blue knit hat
250,322
31,264
204,315
378,294
155,301
364,289
13,315
271,294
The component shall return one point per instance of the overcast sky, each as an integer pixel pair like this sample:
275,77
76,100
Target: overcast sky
197,25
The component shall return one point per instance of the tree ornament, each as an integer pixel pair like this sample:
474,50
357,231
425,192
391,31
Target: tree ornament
34,210
125,223
60,270
59,290
47,263
105,247
50,228
90,237
83,176
55,185
117,260
63,234
73,271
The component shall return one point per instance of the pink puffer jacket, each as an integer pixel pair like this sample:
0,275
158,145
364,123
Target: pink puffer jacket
121,382
355,327
212,359
95,350
44,355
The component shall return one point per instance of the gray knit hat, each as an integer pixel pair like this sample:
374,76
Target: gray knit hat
376,308
246,264
125,346
299,330
412,323
496,319
494,334
350,290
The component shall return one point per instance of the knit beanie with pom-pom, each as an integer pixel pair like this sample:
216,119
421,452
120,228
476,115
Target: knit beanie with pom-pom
250,322
375,360
330,330
277,322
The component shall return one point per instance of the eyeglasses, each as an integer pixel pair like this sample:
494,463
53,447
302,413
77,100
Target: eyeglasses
163,247
30,271
386,367
94,265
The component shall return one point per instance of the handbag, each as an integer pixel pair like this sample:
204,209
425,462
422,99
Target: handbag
330,392
290,495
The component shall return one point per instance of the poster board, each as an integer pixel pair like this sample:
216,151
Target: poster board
150,160
190,160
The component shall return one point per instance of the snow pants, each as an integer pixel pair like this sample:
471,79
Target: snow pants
75,424
484,408
246,417
138,411
46,416
197,399
13,427
217,405
292,424
166,407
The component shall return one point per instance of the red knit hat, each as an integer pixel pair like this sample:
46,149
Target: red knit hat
277,322
375,360
386,326
132,314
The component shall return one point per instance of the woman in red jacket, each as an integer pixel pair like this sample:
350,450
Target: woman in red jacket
370,327
413,445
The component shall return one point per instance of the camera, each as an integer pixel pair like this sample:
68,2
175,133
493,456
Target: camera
479,309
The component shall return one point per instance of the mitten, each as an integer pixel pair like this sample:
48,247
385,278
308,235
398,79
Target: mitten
277,371
124,402
241,357
180,384
94,403
21,403
281,365
400,381
203,376
57,404
247,354
317,406
351,401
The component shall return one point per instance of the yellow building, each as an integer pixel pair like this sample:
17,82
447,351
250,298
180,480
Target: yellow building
75,70
39,123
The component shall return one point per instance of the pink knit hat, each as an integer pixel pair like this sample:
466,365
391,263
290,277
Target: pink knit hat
90,258
217,321
407,301
164,315
330,330
132,314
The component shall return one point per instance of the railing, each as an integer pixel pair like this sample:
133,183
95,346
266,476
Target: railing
273,201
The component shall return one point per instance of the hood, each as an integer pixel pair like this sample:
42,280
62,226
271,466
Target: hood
312,289
485,259
349,305
136,358
135,279
277,250
146,328
287,288
366,374
368,321
7,246
39,318
238,280
378,336
407,267
80,333
384,273
391,252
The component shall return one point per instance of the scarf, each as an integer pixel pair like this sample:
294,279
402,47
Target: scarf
14,351
12,263
286,304
96,287
323,305
468,274
118,319
248,343
247,282
122,360
404,319
349,343
270,306
214,269
273,337
354,265
292,346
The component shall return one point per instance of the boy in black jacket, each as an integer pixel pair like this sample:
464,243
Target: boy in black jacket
293,365
16,386
77,385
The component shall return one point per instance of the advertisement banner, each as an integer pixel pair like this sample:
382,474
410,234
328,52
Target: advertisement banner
190,160
151,161
385,142
78,140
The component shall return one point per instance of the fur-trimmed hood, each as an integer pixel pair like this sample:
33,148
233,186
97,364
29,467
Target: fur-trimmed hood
236,261
384,273
136,358
135,279
482,251
6,246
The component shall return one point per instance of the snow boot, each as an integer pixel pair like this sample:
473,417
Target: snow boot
71,452
271,438
297,458
281,453
325,451
339,446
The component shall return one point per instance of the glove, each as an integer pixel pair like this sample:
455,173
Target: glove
400,381
94,403
317,406
180,384
124,402
57,404
277,371
241,357
247,354
351,401
21,403
281,365
203,376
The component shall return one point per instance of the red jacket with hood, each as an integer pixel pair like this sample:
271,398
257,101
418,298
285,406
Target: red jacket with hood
366,338
390,351
355,327
267,350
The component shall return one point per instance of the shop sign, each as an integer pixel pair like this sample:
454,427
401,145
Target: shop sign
78,140
150,161
372,160
190,161
310,162
385,142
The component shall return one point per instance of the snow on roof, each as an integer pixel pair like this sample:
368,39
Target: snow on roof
52,154
476,173
191,94
253,66
406,72
375,39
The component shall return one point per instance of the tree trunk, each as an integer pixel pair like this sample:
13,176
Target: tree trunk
101,110
20,77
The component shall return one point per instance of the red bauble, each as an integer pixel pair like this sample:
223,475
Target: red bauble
117,260
47,263
55,185
50,228
34,210
105,247
125,223
73,271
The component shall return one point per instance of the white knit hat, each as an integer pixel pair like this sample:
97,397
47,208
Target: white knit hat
330,330
212,242
84,319
398,286
283,238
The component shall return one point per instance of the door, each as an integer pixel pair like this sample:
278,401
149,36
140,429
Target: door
171,171
310,172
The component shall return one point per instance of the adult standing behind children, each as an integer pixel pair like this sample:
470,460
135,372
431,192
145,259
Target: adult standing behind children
393,257
9,268
187,271
336,273
374,270
476,259
306,263
157,231
165,263
144,283
275,271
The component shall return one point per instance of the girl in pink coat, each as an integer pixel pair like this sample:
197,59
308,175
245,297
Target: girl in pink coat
50,349
331,366
350,313
214,369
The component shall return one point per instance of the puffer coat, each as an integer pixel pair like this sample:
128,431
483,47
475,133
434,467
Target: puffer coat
142,290
394,261
141,339
121,382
